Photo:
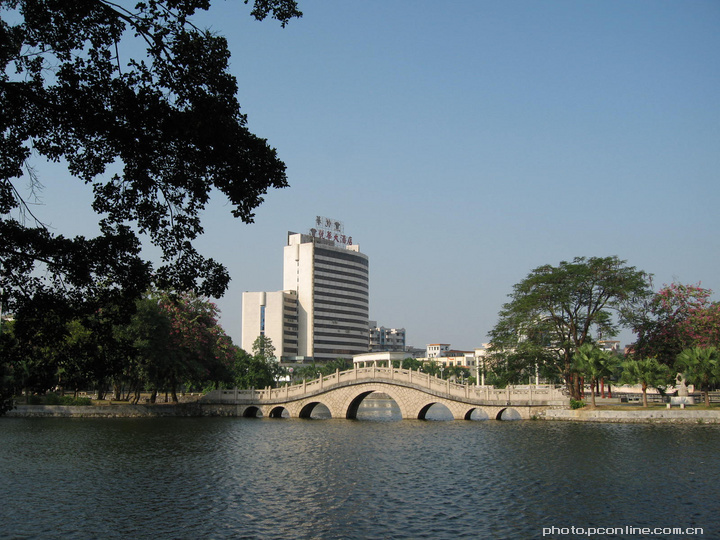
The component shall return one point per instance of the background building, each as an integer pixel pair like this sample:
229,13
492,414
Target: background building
386,339
323,311
436,350
271,314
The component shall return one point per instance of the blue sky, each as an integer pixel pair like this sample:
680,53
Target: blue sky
465,142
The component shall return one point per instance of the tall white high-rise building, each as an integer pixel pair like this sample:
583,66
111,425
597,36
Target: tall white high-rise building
325,307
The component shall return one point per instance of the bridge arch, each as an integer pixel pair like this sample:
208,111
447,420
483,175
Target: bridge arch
508,413
308,408
476,413
349,408
277,412
352,409
423,411
252,412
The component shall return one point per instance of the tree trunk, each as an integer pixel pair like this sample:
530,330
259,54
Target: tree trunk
644,390
574,386
153,396
592,393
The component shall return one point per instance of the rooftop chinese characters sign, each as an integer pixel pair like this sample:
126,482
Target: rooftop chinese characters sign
330,229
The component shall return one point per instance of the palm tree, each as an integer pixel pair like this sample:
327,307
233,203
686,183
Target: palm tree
594,363
701,366
647,372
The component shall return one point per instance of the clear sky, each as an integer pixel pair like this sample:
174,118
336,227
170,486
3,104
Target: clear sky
463,143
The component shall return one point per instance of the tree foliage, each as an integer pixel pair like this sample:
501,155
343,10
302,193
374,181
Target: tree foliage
259,370
172,340
263,348
313,371
676,318
152,133
556,309
594,364
408,363
647,372
253,371
178,341
701,366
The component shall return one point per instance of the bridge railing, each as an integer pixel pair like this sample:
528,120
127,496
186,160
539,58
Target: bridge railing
419,379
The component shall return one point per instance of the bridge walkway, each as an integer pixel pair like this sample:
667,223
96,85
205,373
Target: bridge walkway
413,391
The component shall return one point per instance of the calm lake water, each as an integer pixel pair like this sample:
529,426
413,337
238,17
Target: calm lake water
377,477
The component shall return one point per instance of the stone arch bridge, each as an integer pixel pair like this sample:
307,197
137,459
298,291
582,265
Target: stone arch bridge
413,391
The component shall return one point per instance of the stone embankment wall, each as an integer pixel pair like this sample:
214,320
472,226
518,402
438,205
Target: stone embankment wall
693,416
121,411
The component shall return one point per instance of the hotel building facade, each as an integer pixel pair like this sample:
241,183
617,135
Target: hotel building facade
322,313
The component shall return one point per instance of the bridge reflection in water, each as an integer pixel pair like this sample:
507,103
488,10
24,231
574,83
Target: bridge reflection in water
413,392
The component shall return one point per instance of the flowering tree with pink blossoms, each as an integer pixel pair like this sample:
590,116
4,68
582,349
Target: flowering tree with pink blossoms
180,342
677,317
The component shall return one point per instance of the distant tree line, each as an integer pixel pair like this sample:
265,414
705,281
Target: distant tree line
170,342
553,326
137,103
558,315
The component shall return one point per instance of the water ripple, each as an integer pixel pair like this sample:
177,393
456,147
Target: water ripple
338,479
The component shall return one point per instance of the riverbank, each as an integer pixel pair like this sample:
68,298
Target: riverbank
195,409
124,410
647,416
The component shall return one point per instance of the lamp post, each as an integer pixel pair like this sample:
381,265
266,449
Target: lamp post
441,372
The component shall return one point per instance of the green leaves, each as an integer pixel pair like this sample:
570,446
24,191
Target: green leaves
677,317
646,372
555,309
263,349
701,367
594,364
75,88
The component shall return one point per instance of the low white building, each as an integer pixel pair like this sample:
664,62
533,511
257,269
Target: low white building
378,359
437,350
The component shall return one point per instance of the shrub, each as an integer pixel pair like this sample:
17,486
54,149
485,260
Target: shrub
54,399
576,403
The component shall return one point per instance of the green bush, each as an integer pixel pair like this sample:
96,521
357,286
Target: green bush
54,399
80,401
576,404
